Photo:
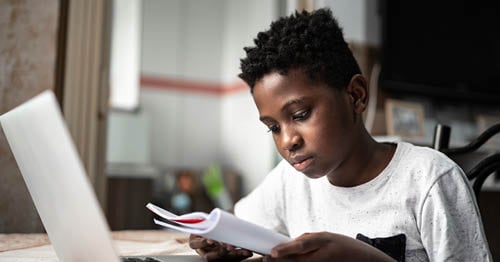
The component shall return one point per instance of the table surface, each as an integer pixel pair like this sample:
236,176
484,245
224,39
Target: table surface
37,247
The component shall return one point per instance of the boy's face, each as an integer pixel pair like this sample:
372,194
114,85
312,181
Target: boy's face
312,125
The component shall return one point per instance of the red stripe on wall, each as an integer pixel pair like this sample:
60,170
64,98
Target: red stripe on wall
192,86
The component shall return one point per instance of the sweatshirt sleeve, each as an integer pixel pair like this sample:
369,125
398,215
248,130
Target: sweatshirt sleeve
451,226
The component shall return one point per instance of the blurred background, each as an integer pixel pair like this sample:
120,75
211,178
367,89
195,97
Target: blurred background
150,92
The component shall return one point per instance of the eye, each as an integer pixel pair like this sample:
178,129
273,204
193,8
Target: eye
301,115
274,128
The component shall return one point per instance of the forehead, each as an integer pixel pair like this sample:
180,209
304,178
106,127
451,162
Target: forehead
275,90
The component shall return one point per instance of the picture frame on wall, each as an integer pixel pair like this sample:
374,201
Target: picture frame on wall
404,118
485,121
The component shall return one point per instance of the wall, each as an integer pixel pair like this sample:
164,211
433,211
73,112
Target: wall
199,111
133,146
246,145
358,18
182,42
28,33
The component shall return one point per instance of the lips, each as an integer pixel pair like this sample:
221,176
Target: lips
300,163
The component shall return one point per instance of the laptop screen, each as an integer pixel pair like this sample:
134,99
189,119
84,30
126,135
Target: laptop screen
56,179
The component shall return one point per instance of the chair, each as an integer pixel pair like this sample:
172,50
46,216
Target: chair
480,171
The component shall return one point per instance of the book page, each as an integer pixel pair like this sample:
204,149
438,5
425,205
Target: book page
223,226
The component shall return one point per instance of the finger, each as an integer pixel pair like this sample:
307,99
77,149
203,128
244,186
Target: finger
215,255
193,237
194,241
313,241
229,247
200,252
224,255
204,251
197,243
301,245
290,248
239,252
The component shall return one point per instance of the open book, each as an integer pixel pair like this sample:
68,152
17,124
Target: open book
221,226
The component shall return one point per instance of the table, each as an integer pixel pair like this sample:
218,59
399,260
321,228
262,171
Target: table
37,247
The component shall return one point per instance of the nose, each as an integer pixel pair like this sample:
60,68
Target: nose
291,140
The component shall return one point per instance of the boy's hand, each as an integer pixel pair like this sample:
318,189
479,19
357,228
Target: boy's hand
216,251
326,246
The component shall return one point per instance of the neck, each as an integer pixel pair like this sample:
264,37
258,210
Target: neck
365,162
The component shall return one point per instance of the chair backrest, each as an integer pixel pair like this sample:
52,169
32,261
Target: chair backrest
478,172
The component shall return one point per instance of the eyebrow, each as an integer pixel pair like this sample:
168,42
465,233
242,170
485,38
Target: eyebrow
286,105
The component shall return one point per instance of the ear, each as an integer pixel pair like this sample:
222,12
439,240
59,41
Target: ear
358,92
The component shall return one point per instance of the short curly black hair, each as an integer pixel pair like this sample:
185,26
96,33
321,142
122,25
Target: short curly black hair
310,41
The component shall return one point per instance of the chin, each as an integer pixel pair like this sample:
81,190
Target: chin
313,175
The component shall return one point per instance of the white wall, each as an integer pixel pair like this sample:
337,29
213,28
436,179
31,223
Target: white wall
358,18
183,38
128,138
202,42
161,37
246,146
243,19
185,128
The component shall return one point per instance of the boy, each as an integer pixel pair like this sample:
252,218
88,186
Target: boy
339,193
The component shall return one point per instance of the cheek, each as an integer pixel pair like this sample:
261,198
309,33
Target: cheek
278,147
322,126
326,136
321,138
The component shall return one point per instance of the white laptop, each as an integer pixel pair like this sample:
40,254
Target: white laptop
56,180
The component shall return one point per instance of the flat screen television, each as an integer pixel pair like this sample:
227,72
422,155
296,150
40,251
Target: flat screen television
444,49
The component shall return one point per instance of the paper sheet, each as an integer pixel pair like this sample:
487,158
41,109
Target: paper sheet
222,226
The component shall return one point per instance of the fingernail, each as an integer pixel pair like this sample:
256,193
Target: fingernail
274,253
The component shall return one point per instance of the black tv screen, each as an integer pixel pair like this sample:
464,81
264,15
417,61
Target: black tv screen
442,49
